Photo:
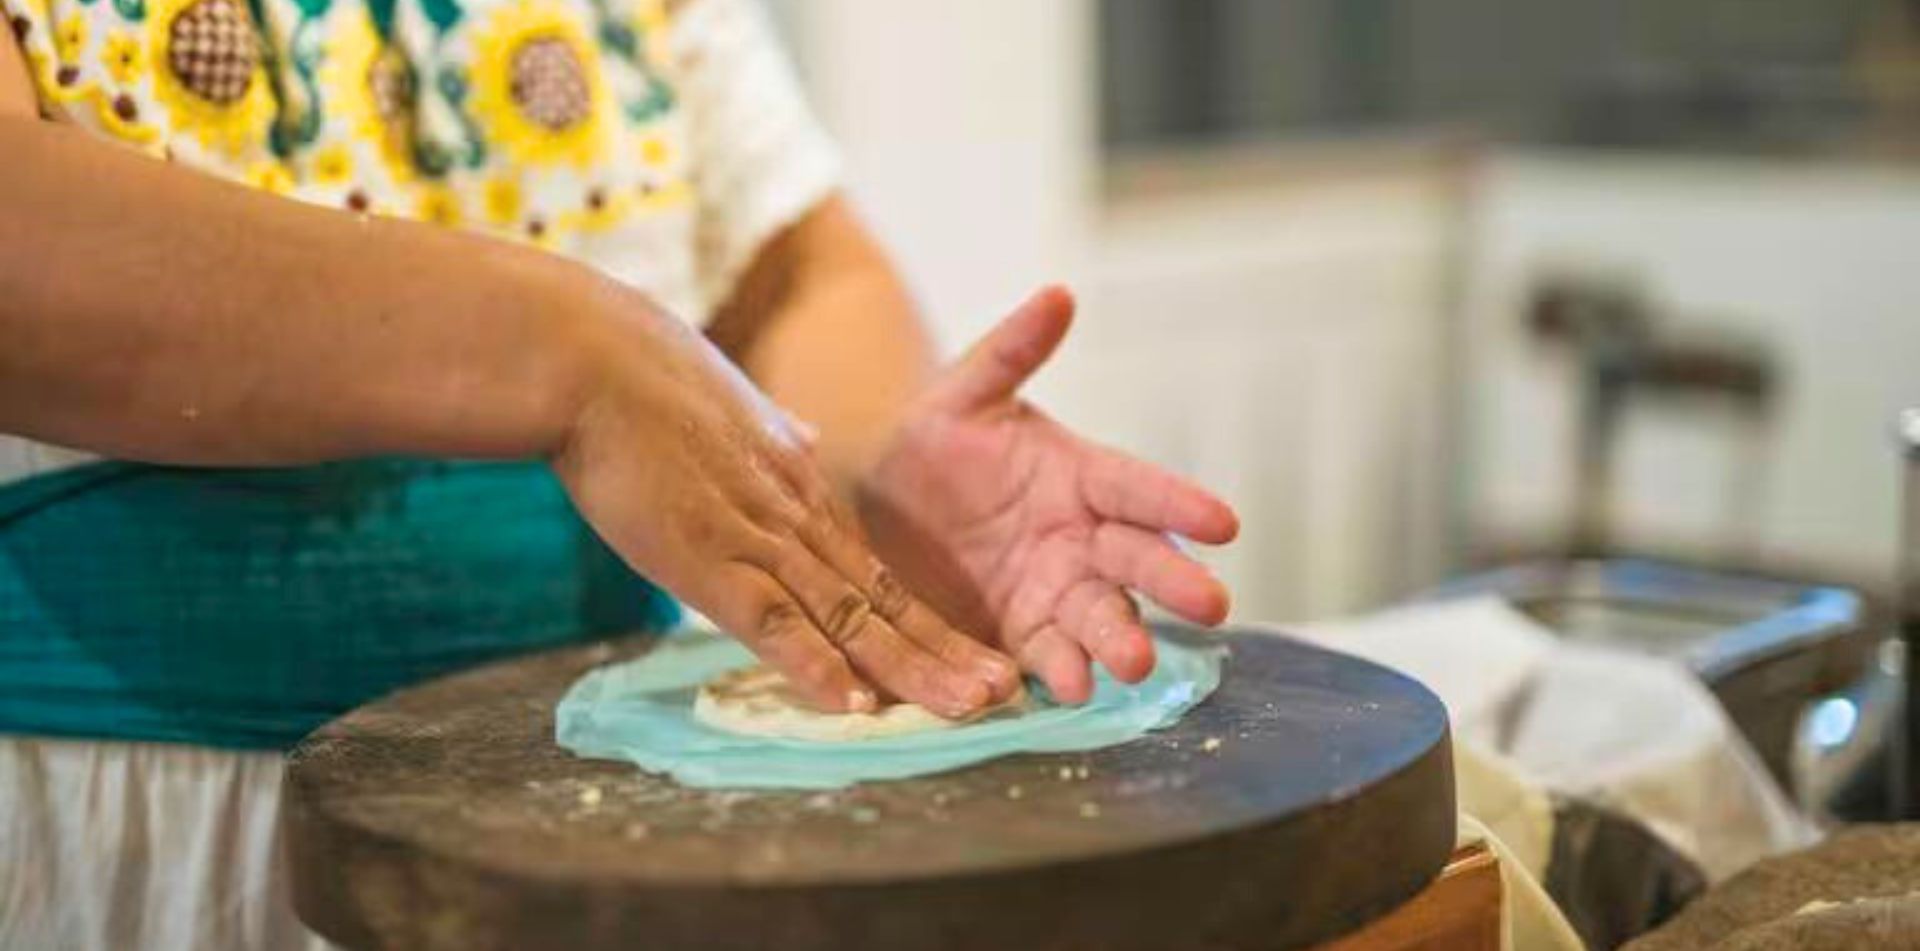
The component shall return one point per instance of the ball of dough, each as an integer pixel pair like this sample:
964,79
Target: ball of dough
758,701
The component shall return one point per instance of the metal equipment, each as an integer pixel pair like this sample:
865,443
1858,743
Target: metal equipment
1767,649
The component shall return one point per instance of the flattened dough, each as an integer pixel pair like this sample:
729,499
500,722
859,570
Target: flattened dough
758,701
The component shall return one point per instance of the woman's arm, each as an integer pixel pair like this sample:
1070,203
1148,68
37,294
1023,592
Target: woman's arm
156,314
153,313
823,324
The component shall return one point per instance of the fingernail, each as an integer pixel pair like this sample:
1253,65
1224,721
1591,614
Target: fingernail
972,697
862,701
1001,676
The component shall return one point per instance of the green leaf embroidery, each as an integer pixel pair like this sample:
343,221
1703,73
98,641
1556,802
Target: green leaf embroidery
452,84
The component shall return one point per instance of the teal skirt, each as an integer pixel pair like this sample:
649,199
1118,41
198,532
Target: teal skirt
243,608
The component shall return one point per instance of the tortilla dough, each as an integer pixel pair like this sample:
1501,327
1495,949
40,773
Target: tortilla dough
758,701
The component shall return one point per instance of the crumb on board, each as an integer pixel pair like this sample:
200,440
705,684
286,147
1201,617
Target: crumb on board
1015,792
1212,744
1089,810
1066,773
1080,772
864,814
590,796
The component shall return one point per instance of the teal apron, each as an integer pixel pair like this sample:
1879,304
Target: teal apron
243,608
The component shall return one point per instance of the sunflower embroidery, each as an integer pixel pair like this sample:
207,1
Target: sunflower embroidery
538,86
370,87
208,73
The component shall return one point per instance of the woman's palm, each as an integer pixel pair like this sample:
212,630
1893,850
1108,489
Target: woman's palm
1028,535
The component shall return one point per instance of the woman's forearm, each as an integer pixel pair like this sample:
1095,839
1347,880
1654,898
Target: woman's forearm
152,313
823,324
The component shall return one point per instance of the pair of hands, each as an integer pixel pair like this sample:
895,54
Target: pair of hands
982,517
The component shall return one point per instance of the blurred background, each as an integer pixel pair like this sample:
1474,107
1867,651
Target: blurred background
1430,285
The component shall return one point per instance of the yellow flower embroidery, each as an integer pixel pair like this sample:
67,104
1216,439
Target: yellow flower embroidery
332,165
70,38
650,15
540,234
120,115
208,74
599,210
503,201
672,194
126,61
538,87
438,205
650,21
368,86
654,151
271,177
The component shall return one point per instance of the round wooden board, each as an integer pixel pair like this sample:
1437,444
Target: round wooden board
1311,793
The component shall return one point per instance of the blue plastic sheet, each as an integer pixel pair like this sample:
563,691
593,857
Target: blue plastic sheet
641,711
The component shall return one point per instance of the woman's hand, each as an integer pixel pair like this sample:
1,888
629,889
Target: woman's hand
1022,531
707,488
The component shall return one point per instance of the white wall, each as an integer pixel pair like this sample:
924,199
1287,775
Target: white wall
1280,342
966,128
1820,261
1286,345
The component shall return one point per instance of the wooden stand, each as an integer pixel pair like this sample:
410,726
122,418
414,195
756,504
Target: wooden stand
1311,793
1460,911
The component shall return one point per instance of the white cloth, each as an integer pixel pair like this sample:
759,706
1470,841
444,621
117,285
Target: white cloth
135,846
1638,734
1529,920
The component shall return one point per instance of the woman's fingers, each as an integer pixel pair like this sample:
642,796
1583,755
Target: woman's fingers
996,671
958,654
1121,487
1060,663
1106,624
763,614
854,622
1149,563
994,368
